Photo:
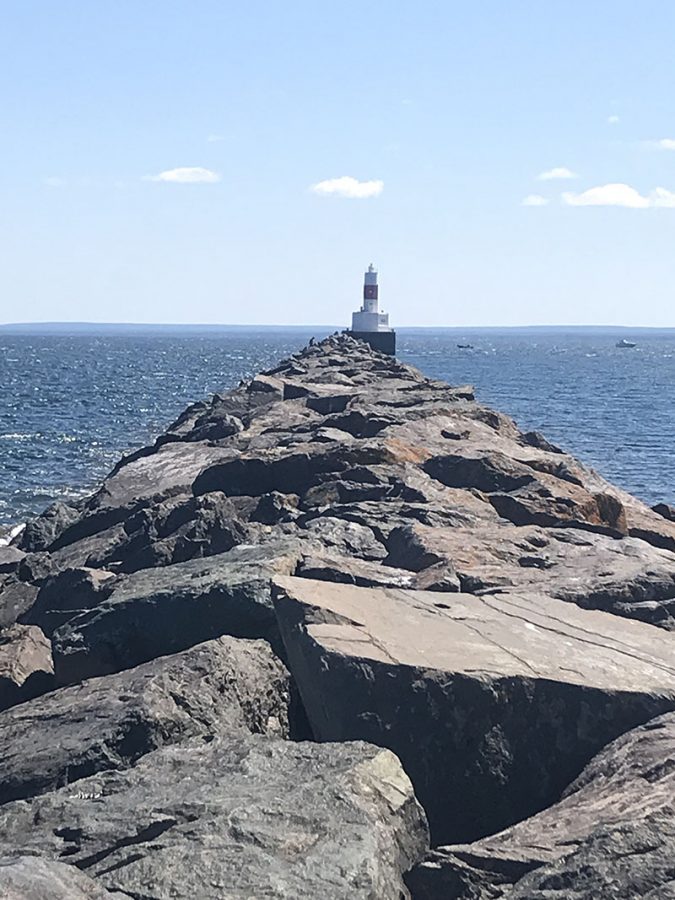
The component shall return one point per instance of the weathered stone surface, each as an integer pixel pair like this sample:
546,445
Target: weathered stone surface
10,557
492,703
26,669
241,817
626,577
16,597
66,594
156,612
216,688
40,533
631,860
612,835
33,878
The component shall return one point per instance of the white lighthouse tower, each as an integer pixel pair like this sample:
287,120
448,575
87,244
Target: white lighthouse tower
368,323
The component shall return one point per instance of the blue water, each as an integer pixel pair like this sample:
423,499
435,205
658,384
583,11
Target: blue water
72,403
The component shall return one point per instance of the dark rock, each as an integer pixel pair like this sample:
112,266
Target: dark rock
665,510
275,507
487,473
246,817
156,612
35,567
537,439
612,835
360,572
66,594
16,597
217,688
490,722
174,531
215,428
33,878
40,534
26,668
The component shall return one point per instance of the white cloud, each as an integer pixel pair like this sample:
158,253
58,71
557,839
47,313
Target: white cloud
55,182
186,175
557,172
215,138
621,195
534,200
666,144
613,120
346,186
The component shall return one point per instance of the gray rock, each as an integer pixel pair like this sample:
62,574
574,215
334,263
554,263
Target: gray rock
216,688
40,533
66,594
33,878
16,597
627,577
26,669
238,818
10,557
492,703
156,612
612,835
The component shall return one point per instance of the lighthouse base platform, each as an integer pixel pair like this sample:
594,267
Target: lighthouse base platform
384,341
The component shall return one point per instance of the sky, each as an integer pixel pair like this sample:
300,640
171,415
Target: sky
242,163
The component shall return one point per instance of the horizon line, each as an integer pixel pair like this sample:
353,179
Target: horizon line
10,326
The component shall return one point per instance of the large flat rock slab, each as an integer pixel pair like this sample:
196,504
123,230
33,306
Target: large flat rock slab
493,703
612,834
238,818
220,687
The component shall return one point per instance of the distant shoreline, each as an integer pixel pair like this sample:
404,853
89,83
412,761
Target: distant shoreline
122,328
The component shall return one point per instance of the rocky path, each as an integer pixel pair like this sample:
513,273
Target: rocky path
334,618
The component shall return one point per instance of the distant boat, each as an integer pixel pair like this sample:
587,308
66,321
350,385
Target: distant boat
465,346
624,343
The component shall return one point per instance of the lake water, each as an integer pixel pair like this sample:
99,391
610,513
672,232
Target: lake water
72,402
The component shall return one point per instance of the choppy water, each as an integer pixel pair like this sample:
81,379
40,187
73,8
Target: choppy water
70,404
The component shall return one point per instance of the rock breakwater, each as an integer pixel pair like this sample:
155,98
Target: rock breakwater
324,609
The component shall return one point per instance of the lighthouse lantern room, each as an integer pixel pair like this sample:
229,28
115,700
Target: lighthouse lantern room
368,323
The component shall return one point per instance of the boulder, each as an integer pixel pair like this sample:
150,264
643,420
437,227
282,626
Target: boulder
220,687
626,577
33,878
40,533
16,598
492,703
156,612
666,510
67,594
611,835
26,668
10,557
236,817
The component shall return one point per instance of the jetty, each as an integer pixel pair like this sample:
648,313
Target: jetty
340,632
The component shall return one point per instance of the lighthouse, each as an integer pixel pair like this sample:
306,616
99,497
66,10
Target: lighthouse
368,323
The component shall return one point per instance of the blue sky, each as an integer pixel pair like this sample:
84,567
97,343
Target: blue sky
442,115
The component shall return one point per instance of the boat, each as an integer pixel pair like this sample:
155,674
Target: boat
465,346
624,343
